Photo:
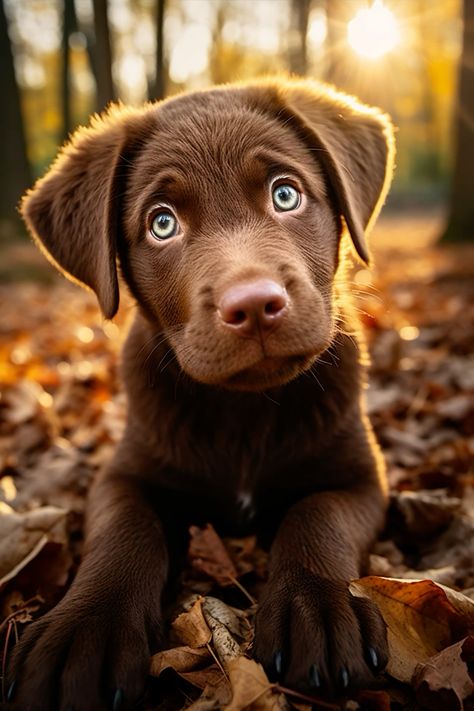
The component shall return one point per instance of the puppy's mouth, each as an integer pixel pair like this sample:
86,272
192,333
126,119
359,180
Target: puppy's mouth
270,372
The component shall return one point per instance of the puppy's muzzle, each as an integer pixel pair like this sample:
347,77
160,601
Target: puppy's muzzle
253,308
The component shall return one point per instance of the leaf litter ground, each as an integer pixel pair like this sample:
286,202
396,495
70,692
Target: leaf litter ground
62,412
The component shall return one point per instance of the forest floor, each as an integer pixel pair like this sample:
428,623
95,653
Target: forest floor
62,412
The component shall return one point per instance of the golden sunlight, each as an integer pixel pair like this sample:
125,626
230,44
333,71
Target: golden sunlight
374,31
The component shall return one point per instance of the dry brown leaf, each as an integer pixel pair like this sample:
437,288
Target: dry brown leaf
243,553
60,476
181,659
211,677
251,689
24,535
221,619
234,619
191,628
443,683
422,619
422,514
203,704
209,555
196,666
454,547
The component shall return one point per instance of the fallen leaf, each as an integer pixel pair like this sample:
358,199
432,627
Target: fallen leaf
251,688
212,676
422,514
196,666
60,476
235,620
209,555
226,647
205,703
443,683
422,619
242,552
191,628
455,547
24,535
181,659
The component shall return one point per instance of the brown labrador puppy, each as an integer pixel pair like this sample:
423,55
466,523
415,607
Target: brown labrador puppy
224,210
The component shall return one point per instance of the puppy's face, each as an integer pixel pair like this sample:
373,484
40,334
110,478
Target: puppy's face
224,209
231,245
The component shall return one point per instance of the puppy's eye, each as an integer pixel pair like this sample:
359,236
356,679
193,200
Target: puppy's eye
164,225
285,198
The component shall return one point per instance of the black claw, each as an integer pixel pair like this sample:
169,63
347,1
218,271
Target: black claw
278,662
314,678
11,691
344,676
118,699
373,658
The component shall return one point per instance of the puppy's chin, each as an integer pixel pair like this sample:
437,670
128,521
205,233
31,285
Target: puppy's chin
269,373
265,374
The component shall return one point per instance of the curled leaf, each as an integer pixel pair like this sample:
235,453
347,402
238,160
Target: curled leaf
422,619
24,535
443,683
209,555
191,628
251,688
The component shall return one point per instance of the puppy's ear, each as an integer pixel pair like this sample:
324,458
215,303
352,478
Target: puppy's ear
73,211
355,145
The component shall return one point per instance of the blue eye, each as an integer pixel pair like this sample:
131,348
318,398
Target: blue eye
285,198
164,225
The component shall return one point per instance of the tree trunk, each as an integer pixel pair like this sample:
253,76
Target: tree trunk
460,225
297,54
102,55
158,90
15,174
69,26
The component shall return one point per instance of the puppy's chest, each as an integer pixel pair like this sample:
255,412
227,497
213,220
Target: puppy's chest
236,472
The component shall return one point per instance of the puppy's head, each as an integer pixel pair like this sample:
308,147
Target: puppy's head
225,210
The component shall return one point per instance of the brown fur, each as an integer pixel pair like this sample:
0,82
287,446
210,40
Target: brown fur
265,433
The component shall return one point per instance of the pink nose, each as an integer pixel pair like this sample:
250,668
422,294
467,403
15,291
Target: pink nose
254,306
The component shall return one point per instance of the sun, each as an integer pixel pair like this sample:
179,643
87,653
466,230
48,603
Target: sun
374,31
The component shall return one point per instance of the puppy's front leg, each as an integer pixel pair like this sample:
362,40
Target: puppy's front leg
310,631
92,650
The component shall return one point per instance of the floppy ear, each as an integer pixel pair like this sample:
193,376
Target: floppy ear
73,211
355,145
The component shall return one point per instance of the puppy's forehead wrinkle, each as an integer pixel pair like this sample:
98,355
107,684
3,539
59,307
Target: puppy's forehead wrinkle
222,138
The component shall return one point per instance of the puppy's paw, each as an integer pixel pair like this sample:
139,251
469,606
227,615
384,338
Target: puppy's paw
314,636
84,655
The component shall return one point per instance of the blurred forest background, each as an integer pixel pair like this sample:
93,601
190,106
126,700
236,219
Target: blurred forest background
61,60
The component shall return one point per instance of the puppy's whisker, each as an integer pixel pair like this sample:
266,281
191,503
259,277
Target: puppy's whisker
153,351
149,341
168,363
267,397
166,354
324,362
165,337
312,374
